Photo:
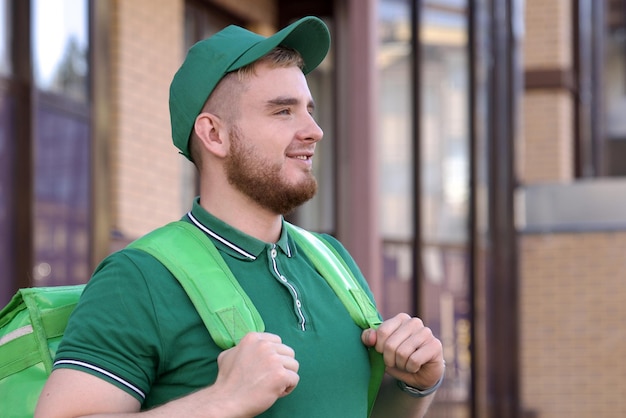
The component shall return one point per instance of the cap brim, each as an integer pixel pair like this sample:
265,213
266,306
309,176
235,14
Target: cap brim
309,36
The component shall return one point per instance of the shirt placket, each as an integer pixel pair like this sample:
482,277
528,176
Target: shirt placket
293,290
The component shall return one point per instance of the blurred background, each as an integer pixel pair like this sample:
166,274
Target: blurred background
473,163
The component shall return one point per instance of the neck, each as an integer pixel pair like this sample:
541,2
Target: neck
240,212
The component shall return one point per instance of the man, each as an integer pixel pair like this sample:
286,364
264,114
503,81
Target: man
241,110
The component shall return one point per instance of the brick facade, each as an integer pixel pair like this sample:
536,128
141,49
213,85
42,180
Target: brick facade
146,49
572,324
547,151
571,284
547,33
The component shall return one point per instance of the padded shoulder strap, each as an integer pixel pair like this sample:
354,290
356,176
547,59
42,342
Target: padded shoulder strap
223,305
338,275
227,311
340,278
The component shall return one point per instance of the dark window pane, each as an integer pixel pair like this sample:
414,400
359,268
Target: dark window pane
6,190
62,184
444,202
395,154
615,88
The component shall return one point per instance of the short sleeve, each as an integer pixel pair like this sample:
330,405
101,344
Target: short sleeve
114,333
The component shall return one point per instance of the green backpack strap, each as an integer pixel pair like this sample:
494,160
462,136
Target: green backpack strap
223,305
226,309
338,275
340,278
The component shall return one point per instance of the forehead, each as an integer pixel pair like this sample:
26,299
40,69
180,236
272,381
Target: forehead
269,81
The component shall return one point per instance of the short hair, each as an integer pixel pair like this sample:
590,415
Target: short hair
223,101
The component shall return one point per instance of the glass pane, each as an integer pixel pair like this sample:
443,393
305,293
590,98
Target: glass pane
62,150
60,47
5,31
62,189
318,213
7,255
396,154
444,167
615,88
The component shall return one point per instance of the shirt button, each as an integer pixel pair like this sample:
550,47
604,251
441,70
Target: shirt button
273,252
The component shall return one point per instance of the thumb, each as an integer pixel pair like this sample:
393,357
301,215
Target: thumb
369,337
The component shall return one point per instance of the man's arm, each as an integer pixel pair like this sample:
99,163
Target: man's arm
411,353
251,377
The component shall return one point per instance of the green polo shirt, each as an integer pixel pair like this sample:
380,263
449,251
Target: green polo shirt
136,327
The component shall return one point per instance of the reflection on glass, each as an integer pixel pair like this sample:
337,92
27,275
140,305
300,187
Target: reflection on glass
60,41
444,174
615,91
62,191
7,180
395,155
5,28
318,213
62,143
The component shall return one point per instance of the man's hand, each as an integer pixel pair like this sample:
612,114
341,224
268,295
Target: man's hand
251,377
411,352
257,371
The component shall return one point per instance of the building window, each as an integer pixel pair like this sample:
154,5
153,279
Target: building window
444,192
396,150
7,132
615,88
5,36
62,142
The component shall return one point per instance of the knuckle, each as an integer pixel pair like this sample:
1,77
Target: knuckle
415,321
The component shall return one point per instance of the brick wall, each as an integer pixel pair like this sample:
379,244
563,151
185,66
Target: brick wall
146,49
572,324
548,33
546,149
572,289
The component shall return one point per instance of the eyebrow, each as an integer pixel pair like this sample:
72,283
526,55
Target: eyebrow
288,101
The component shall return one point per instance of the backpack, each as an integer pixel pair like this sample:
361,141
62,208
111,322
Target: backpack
32,324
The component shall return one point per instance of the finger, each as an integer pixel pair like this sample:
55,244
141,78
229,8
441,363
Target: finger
368,337
388,328
291,364
290,377
285,350
253,338
419,349
293,382
396,341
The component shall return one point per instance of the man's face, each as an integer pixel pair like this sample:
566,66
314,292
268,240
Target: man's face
273,140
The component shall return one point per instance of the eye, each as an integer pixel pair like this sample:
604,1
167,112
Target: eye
285,111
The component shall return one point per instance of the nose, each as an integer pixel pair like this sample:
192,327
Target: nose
312,131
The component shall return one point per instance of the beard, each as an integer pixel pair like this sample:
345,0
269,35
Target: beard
262,181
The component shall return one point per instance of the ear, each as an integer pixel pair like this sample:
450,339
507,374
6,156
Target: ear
212,133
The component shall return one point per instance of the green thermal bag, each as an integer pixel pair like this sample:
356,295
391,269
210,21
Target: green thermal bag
33,322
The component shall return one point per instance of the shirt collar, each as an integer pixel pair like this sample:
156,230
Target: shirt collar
232,240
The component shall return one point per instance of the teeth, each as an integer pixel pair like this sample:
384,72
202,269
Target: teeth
302,157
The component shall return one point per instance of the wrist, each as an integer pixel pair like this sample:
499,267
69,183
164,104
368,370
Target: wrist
419,393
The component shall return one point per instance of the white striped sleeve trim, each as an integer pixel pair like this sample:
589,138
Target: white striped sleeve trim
103,372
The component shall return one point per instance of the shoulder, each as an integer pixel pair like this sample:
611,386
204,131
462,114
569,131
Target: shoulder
129,260
130,277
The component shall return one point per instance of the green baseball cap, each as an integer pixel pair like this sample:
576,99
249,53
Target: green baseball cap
230,49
